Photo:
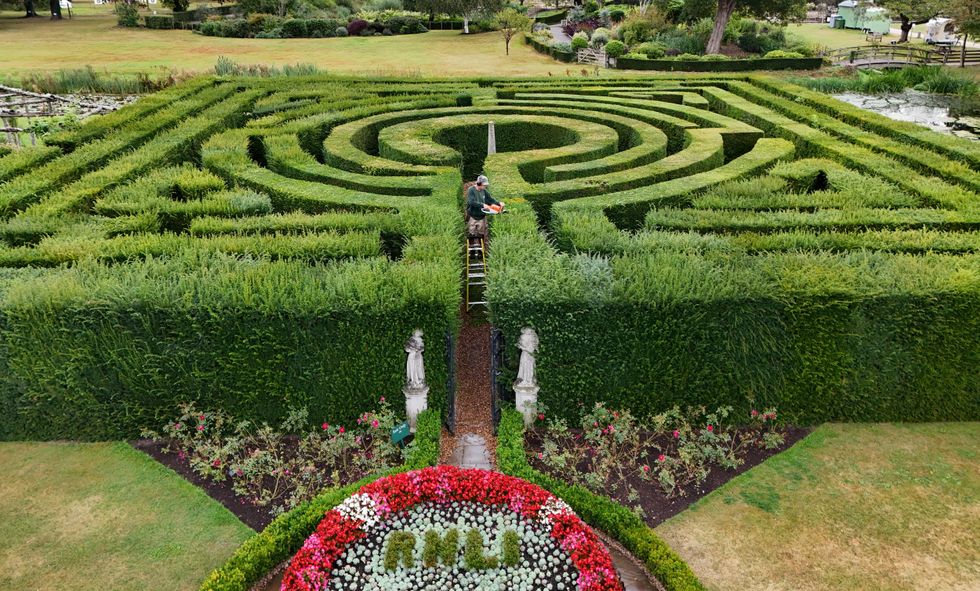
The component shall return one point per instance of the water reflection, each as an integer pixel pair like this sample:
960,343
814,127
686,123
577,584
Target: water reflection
940,113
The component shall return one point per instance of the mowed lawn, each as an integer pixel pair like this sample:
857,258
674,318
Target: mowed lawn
103,516
852,507
43,45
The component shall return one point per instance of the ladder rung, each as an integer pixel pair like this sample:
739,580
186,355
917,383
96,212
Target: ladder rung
477,283
477,275
478,303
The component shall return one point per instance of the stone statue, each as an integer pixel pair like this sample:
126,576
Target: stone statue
528,344
526,386
414,367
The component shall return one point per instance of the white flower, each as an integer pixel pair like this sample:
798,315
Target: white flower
360,507
553,506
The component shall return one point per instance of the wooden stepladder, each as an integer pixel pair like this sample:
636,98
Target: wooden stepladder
476,272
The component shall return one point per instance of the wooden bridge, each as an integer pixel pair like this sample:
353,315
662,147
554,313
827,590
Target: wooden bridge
901,56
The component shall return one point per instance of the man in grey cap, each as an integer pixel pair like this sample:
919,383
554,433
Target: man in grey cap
478,198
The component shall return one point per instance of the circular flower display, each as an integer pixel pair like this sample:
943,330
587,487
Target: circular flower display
449,528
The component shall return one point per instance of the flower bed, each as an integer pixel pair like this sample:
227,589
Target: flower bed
364,539
656,465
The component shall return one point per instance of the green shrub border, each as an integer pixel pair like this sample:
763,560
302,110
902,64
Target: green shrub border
600,512
806,63
283,537
562,56
159,21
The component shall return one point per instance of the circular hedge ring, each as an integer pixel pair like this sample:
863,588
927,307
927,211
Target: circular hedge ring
426,529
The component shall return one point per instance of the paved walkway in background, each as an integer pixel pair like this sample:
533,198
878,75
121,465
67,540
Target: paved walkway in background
559,35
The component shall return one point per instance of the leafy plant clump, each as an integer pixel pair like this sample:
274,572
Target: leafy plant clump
280,468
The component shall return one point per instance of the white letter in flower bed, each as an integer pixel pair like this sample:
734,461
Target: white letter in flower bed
415,390
526,385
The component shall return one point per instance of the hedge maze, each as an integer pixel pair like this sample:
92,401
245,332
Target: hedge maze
264,243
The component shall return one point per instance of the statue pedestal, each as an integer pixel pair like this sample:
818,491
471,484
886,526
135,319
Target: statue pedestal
526,400
416,400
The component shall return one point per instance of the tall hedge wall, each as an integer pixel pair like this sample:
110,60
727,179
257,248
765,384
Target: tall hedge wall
92,353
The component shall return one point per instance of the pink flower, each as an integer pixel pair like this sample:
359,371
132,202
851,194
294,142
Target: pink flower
540,456
711,428
341,429
375,423
325,426
238,472
646,468
595,424
216,463
200,418
677,434
382,399
755,413
177,426
661,458
200,427
611,428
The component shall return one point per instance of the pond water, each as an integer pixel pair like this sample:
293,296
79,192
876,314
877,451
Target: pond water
937,112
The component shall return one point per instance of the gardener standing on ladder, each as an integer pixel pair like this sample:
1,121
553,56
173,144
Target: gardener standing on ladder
478,204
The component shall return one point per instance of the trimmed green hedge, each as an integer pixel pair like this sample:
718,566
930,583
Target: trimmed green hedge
599,512
159,21
95,352
285,535
741,65
551,17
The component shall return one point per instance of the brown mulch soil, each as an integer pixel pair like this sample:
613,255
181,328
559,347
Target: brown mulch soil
473,405
736,52
654,502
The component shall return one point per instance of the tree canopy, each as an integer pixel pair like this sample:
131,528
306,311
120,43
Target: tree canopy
913,12
770,9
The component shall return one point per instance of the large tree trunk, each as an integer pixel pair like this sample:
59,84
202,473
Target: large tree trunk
722,16
906,29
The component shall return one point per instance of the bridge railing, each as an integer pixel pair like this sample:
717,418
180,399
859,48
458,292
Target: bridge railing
885,54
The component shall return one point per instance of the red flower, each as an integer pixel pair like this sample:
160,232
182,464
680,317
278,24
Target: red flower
200,418
646,468
325,426
711,428
216,463
382,399
755,413
200,427
540,416
661,458
341,429
677,434
374,423
311,567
